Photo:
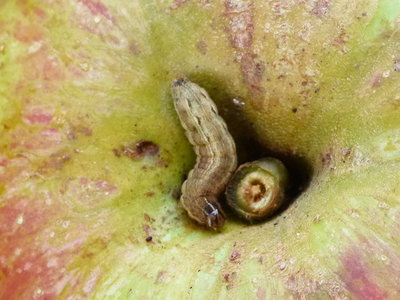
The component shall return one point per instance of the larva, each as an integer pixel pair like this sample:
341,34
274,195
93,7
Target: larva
215,149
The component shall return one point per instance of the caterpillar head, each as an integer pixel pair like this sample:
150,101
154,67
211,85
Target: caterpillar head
212,213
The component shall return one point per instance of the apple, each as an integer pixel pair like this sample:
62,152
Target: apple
92,154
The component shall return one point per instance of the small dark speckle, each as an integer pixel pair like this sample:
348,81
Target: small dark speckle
176,193
147,218
140,149
116,152
276,223
327,158
201,46
346,152
294,110
234,256
146,148
397,64
86,131
184,177
149,239
228,277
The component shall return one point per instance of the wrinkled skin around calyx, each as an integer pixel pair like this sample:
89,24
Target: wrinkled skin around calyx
92,152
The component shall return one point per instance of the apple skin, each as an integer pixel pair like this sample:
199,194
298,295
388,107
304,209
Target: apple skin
92,152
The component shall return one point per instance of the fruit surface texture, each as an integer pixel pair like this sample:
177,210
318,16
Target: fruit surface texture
93,155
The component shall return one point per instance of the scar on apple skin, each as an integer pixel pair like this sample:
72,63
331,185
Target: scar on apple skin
137,150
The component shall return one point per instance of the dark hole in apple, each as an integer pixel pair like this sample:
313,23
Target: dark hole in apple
231,107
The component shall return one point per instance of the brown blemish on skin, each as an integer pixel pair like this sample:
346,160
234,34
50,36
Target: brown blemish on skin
235,255
161,276
229,278
147,229
85,131
149,232
99,244
139,150
147,218
73,132
162,163
241,27
55,162
201,46
346,152
146,148
376,80
327,158
321,8
241,30
261,259
176,193
116,152
253,71
134,48
342,39
397,64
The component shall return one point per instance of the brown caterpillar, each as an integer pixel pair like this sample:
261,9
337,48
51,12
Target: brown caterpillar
215,150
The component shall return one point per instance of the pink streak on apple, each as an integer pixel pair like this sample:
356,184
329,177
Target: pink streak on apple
44,140
28,33
357,279
37,116
33,267
12,168
97,8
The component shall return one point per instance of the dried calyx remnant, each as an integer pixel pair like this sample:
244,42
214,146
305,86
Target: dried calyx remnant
255,191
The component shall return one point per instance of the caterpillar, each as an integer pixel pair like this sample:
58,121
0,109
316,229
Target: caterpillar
215,150
254,191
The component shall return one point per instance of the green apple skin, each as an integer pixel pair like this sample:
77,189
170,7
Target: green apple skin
92,153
